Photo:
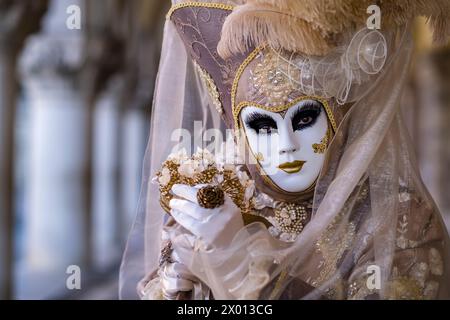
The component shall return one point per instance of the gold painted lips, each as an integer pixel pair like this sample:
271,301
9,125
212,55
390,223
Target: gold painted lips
292,167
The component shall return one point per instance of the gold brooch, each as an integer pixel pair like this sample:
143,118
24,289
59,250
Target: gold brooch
291,218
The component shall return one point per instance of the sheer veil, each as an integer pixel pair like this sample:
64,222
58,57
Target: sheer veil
179,102
371,208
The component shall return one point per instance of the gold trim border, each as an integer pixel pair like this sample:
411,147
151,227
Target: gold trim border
277,288
214,5
239,73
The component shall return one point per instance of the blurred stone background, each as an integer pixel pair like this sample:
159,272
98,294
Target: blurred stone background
75,109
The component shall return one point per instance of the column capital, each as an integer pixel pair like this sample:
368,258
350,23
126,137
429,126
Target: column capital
53,58
18,19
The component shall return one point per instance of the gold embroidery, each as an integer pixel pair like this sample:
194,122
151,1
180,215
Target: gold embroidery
290,218
336,239
402,241
399,288
211,88
411,284
239,73
415,285
269,80
332,246
212,5
277,287
404,288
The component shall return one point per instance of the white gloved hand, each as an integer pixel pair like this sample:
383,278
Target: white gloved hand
215,227
175,278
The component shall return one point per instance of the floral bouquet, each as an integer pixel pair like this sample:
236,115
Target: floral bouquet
203,168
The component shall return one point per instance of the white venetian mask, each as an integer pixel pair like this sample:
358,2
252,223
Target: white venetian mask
289,146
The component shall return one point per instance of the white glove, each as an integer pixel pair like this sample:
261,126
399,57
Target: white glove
175,278
215,227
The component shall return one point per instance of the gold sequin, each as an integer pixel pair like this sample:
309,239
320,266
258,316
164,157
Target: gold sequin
211,87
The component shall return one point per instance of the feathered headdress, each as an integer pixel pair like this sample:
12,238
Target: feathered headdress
314,27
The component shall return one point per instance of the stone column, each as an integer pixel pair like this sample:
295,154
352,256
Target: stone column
106,248
104,85
57,208
144,42
17,21
7,111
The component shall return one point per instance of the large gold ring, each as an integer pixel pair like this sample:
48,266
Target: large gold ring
210,197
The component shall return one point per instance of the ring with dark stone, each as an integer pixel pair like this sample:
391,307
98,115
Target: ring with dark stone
210,197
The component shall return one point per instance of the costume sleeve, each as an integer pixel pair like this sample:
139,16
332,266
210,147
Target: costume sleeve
416,272
418,265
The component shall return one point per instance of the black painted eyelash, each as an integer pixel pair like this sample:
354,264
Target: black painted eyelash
256,120
309,109
311,105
